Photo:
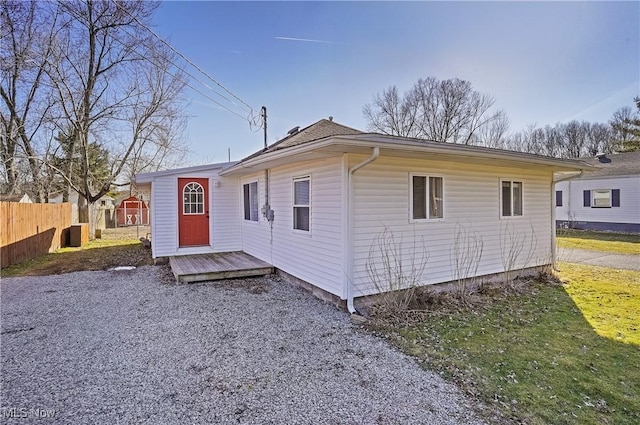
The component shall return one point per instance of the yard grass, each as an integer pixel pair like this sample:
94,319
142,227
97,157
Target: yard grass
98,254
622,243
552,354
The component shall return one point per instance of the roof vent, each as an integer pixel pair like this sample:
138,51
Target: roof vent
331,119
294,130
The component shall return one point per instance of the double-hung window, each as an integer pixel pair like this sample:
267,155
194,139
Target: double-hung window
602,198
251,201
511,198
302,203
427,197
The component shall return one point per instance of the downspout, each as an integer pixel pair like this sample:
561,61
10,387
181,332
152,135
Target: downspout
553,214
350,235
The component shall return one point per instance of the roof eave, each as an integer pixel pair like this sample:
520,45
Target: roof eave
150,177
390,143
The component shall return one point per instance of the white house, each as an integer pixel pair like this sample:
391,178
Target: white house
319,204
607,198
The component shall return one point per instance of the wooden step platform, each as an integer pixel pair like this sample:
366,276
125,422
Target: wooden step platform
224,265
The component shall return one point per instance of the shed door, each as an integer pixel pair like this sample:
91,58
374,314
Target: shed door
193,211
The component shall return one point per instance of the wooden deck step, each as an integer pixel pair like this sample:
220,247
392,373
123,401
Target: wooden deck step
224,265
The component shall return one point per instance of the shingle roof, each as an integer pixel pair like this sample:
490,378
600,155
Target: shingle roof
11,197
619,164
319,130
316,131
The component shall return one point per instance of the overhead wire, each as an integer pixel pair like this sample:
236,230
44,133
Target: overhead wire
176,51
254,121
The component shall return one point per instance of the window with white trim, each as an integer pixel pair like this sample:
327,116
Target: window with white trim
193,199
601,199
511,198
427,197
302,203
250,191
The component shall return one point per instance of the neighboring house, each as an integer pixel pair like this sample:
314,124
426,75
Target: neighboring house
23,199
607,198
102,212
56,198
316,204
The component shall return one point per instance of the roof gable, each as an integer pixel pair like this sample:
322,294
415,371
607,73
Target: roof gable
316,131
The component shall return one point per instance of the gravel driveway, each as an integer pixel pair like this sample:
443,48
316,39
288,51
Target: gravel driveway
131,348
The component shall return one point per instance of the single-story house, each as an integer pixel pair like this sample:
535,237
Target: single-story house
607,198
338,208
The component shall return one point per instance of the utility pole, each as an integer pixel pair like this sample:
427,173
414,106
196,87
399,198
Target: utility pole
264,124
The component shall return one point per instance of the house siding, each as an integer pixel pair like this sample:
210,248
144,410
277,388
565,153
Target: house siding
575,214
314,256
224,224
471,201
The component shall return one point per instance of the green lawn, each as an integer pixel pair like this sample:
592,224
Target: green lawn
555,354
622,243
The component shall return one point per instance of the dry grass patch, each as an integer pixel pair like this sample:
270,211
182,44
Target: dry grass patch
99,254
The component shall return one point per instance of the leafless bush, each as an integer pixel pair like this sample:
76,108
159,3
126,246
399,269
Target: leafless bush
465,255
516,246
395,278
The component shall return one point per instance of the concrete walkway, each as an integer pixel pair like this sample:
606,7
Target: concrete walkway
599,258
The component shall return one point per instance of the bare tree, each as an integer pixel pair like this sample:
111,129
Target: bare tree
28,32
494,134
600,139
113,91
625,125
88,94
393,115
442,111
564,140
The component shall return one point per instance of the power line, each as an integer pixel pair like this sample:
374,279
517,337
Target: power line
250,119
183,56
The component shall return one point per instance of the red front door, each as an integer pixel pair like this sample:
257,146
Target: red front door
193,212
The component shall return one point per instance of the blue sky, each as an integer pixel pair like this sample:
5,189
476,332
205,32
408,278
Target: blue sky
543,62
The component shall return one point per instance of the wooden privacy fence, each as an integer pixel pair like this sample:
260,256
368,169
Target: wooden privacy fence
30,230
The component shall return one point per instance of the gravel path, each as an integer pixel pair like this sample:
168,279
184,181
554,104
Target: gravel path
599,258
126,348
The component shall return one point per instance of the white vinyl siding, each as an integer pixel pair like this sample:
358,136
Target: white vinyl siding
315,256
224,221
573,208
471,202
